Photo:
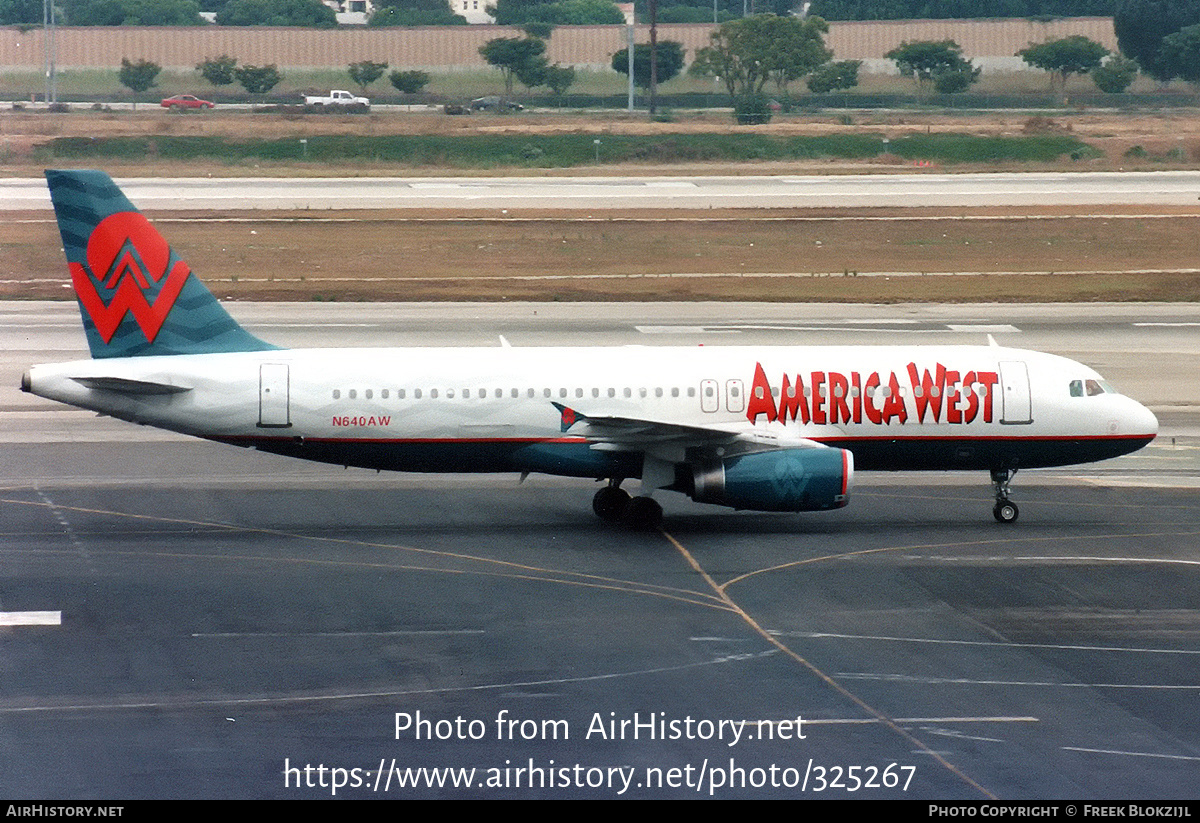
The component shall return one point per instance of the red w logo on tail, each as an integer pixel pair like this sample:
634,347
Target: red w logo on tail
126,254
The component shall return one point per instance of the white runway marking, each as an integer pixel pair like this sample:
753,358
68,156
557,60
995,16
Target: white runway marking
1129,754
30,618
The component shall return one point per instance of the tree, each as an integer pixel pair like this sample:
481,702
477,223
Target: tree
409,82
1142,25
521,58
20,12
560,78
557,12
415,13
924,60
954,80
670,62
365,73
218,70
133,13
1062,58
137,77
1115,75
309,13
258,79
1180,54
834,77
747,53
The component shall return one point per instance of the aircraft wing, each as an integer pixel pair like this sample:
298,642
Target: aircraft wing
610,432
615,433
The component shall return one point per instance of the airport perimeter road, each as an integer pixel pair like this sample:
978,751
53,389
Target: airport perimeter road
185,619
1166,188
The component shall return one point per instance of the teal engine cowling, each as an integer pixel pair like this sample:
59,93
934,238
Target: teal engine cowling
781,480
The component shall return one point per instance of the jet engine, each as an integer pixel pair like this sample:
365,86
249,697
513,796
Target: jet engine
780,480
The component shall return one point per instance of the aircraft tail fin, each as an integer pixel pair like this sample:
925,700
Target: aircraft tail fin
136,295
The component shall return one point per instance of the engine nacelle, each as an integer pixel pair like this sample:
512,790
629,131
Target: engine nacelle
781,480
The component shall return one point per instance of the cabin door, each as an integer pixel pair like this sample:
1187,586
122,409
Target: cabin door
273,401
1014,386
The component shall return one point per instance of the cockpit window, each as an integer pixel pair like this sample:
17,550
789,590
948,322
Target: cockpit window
1090,388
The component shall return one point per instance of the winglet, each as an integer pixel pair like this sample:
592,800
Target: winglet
136,295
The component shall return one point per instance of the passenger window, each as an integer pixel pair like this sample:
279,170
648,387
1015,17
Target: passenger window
337,394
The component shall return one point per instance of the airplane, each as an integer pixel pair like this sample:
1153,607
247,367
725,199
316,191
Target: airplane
778,429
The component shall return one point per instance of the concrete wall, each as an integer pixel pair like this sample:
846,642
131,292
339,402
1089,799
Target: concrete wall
457,47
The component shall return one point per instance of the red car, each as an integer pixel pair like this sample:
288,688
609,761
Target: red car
186,101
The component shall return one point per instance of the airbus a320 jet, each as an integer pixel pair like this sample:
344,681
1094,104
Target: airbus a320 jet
779,428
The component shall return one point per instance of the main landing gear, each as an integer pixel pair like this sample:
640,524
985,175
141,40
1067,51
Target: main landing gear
1005,511
614,505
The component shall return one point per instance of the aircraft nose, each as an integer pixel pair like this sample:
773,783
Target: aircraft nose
1140,420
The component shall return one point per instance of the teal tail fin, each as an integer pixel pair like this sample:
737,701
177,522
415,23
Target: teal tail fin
137,296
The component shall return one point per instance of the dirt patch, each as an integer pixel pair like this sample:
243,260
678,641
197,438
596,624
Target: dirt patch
880,257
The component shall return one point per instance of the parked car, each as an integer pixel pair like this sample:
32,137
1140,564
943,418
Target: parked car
456,108
186,101
492,102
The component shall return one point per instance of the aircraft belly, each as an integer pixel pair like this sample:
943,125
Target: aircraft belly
559,456
920,453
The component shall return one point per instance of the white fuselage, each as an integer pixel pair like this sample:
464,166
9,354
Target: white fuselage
493,409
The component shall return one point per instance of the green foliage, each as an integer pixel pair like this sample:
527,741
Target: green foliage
955,80
1180,54
670,62
747,53
522,58
132,13
558,13
925,60
409,82
1115,75
218,70
1142,25
683,13
258,79
559,78
834,77
139,76
751,109
1062,58
366,72
540,30
20,12
416,13
568,150
957,9
307,13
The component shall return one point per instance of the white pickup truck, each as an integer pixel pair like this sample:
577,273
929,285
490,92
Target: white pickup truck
338,97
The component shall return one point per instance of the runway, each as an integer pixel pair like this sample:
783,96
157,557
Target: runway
235,624
1165,188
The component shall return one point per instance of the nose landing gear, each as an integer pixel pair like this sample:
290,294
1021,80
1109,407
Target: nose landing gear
1005,511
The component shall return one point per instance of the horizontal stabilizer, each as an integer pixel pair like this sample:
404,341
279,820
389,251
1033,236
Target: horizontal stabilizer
127,386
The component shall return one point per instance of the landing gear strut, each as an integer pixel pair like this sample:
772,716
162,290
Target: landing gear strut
1005,511
613,504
